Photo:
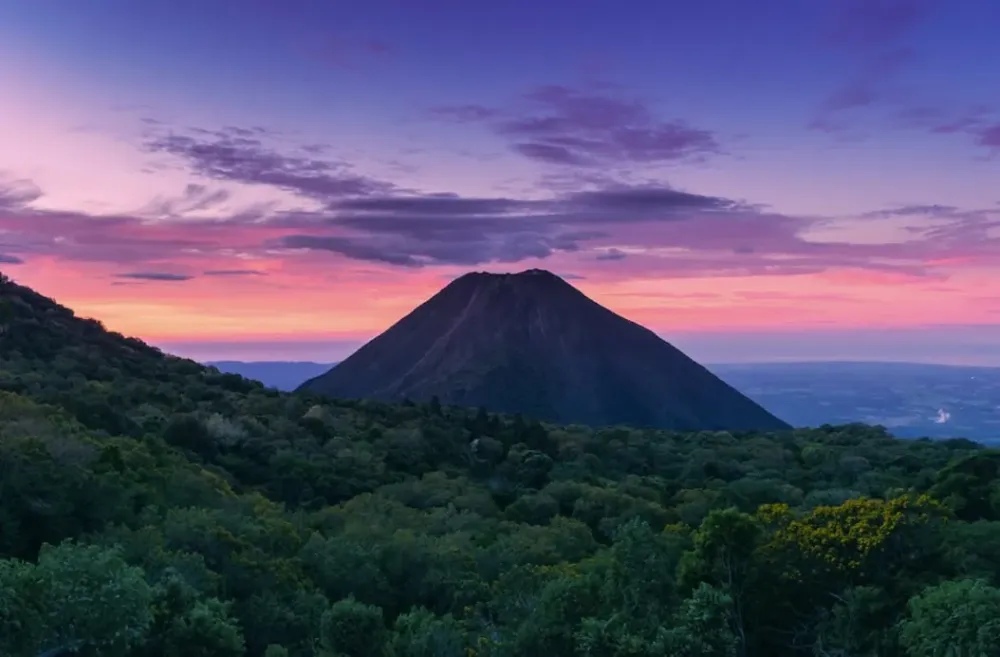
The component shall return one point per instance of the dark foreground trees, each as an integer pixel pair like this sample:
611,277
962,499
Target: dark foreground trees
131,546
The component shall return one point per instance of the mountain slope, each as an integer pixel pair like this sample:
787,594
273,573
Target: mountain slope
531,343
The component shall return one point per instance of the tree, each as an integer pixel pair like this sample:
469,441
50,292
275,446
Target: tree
93,598
22,623
419,633
960,618
640,578
971,487
75,597
434,407
275,650
7,314
809,563
205,630
703,627
860,541
555,614
859,623
352,629
723,555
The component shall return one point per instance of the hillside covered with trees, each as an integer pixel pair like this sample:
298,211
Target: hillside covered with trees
152,506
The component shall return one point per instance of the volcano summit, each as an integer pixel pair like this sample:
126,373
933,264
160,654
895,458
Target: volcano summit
531,343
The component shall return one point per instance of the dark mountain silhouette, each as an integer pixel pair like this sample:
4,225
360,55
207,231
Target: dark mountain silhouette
531,343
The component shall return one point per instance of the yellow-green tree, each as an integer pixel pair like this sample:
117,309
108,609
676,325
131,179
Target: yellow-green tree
855,542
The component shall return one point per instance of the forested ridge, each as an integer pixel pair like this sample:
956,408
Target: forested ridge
151,506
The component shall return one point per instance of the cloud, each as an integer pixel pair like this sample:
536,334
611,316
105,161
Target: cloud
869,85
155,276
240,155
195,198
357,248
916,211
989,136
873,33
233,272
436,229
432,204
10,260
561,125
647,201
470,251
663,230
981,123
17,193
612,254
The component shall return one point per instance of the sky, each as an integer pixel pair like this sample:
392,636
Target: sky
268,180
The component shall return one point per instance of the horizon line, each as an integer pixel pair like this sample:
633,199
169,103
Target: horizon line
797,361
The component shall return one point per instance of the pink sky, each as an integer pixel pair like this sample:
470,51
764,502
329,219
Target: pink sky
208,210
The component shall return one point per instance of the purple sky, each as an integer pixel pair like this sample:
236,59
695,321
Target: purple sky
753,180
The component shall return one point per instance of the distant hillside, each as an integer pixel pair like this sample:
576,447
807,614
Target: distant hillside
531,343
281,375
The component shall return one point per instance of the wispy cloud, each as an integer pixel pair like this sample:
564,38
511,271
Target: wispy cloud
612,254
241,155
589,127
16,193
989,136
155,276
877,36
194,199
868,87
874,34
10,260
233,272
655,227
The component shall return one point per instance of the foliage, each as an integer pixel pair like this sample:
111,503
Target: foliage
953,618
419,633
76,597
151,506
352,629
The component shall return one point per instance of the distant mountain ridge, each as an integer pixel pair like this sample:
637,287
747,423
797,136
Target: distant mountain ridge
532,343
281,375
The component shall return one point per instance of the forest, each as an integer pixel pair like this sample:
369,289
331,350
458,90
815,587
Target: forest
153,506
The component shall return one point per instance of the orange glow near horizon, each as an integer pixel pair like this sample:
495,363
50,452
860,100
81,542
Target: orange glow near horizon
352,302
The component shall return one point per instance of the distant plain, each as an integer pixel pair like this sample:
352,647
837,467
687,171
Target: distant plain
911,400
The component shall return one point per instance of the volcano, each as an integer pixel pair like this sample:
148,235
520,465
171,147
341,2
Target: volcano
531,343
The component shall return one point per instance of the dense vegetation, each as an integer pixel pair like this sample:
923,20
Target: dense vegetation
150,506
